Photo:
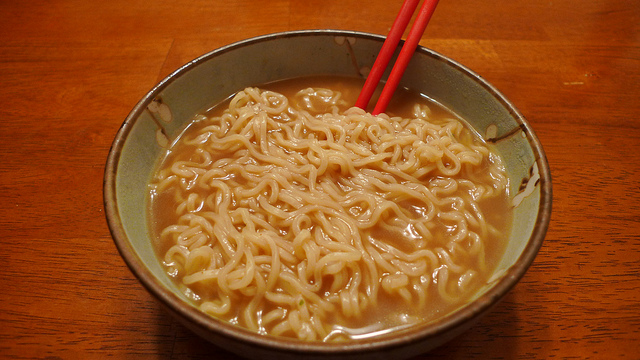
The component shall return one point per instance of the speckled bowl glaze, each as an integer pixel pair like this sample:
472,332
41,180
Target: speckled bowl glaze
162,113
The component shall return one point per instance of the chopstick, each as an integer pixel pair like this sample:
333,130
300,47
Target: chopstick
387,50
409,47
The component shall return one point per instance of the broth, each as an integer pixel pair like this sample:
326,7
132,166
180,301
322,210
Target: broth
432,245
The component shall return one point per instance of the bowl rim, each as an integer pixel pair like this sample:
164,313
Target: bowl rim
398,338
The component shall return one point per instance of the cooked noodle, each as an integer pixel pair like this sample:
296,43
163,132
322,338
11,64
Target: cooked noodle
295,218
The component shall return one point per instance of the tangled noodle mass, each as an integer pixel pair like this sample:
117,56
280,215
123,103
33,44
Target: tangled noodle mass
295,218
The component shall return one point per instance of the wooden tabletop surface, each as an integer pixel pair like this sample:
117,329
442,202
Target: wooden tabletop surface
71,70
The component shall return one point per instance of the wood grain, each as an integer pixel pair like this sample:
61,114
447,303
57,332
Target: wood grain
71,70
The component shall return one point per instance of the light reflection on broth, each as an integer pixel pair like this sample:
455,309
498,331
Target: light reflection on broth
311,220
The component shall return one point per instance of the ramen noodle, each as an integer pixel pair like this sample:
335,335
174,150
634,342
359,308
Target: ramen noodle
297,215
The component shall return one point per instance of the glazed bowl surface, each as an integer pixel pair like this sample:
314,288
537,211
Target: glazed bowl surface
161,115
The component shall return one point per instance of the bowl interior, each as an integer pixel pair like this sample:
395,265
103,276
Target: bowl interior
162,114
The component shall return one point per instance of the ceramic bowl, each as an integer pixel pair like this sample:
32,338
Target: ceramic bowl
162,113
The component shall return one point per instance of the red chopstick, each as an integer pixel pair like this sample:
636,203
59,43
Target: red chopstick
388,47
409,47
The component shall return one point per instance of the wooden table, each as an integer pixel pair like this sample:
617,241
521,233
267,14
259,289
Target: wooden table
71,70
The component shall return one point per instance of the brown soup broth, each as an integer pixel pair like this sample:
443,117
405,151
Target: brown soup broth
390,311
